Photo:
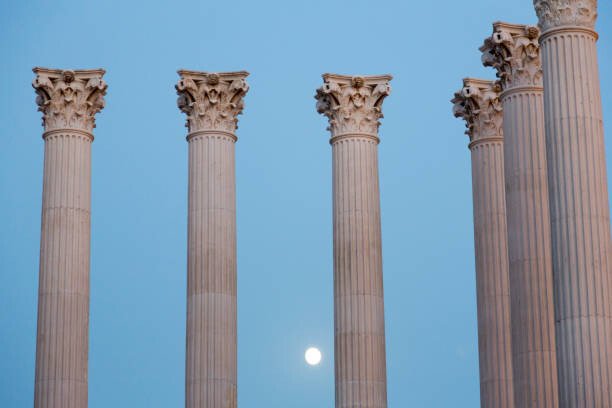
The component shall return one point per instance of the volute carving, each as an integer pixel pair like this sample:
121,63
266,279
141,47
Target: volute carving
558,13
353,104
514,52
211,101
478,104
69,99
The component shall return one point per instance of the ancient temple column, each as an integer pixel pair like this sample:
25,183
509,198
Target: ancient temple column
479,105
353,106
514,52
212,103
580,213
69,101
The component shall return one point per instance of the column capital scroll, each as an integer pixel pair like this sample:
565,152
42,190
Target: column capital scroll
211,101
353,104
479,105
69,99
513,51
558,13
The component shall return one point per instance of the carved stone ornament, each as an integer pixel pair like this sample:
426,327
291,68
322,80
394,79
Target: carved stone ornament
353,104
69,99
479,105
514,52
559,13
212,101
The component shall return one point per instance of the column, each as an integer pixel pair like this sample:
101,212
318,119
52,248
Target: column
69,101
353,106
514,52
212,103
578,189
479,105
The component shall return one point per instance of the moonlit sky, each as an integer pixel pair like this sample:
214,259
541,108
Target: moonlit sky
139,196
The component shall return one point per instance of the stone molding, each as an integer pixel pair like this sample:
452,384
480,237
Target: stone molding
69,99
558,13
514,52
211,101
478,103
353,104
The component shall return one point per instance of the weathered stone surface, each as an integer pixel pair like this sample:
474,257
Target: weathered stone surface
479,105
354,107
580,212
212,102
69,101
513,50
557,13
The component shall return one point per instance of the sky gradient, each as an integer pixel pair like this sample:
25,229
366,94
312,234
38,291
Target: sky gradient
283,163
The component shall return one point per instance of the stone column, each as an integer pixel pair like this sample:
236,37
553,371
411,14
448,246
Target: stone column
580,213
514,52
353,106
479,105
69,101
212,103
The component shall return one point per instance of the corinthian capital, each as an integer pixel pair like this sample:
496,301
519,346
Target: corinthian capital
212,101
513,50
353,104
69,99
479,105
558,13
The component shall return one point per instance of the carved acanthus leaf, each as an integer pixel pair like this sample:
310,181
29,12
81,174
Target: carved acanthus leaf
211,101
479,105
558,13
69,99
352,104
514,52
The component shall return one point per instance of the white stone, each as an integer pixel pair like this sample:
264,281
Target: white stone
354,107
479,105
212,103
513,50
69,101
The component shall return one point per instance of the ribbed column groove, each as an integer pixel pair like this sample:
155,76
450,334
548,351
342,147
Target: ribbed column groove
358,289
580,214
479,105
353,106
513,50
62,339
531,280
63,294
493,295
211,102
211,371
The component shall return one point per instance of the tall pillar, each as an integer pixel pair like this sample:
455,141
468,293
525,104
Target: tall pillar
479,105
69,101
212,103
514,52
353,106
580,213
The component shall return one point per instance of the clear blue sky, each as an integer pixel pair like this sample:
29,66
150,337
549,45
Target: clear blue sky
138,263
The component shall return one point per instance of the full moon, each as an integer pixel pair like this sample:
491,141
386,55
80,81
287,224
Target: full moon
313,356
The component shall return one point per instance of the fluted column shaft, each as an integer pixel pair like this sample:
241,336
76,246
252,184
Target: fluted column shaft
63,288
212,102
359,335
63,296
478,103
580,213
492,285
531,280
211,369
513,50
